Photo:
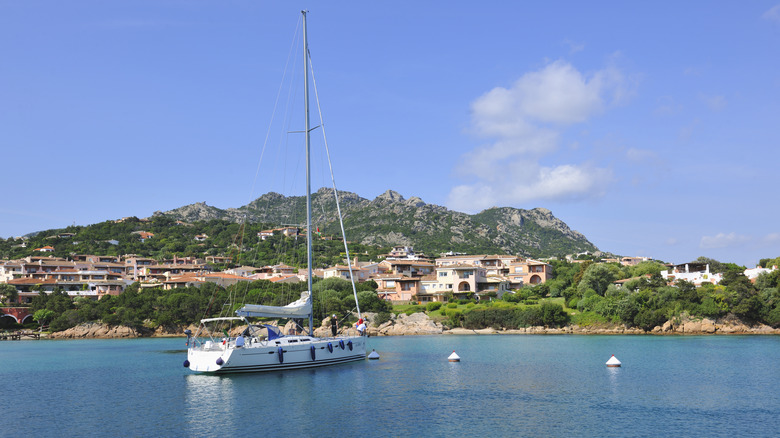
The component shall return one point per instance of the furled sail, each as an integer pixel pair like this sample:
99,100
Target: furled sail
297,309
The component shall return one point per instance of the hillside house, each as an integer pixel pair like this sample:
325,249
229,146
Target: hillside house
529,271
696,273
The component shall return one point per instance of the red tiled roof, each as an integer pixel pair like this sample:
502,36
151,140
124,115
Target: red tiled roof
23,281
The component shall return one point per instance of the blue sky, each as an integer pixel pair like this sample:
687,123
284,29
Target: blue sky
650,128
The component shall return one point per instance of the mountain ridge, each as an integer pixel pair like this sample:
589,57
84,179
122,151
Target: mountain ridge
391,220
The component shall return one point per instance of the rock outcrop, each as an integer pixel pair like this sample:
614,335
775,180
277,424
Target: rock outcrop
422,324
94,330
403,325
687,325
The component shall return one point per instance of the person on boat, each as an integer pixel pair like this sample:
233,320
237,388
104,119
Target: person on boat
334,325
361,327
240,341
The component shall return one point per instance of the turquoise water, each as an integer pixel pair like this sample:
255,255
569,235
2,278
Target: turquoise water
504,386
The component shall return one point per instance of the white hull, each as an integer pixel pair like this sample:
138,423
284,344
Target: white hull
296,352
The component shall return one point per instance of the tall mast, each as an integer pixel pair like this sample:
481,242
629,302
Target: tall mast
308,172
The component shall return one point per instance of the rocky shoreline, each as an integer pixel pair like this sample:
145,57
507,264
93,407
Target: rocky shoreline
422,324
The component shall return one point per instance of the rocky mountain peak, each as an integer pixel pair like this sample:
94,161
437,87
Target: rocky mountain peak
390,196
414,201
391,220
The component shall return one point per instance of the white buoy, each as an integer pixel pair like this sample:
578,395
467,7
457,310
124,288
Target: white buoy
613,362
373,355
454,357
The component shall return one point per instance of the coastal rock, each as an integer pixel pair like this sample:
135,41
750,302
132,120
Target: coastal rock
422,324
402,325
96,330
167,331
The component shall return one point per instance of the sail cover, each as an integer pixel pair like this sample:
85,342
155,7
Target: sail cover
297,309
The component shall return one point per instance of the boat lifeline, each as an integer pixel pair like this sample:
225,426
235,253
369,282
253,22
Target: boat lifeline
263,347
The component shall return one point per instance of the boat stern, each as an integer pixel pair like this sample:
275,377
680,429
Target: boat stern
207,358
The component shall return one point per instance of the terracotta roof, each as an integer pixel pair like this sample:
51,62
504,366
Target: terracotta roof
225,275
409,262
460,266
283,277
23,281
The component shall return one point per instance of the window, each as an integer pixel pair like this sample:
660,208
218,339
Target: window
390,283
442,273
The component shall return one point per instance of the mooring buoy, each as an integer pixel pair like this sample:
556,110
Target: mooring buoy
613,362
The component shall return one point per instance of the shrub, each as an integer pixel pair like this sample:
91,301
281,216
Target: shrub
434,305
381,318
586,319
490,317
647,319
413,309
528,317
552,315
511,297
452,305
773,317
455,317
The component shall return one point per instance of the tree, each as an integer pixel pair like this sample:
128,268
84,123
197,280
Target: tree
43,316
598,277
9,293
646,268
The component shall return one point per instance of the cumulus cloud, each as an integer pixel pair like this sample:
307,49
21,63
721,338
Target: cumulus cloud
556,94
524,123
723,240
519,182
772,14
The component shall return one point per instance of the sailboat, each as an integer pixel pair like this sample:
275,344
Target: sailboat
262,347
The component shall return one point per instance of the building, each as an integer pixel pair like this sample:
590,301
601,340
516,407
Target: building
696,273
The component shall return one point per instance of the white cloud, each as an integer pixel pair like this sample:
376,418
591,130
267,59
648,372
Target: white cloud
641,155
574,47
773,14
513,183
715,103
686,132
556,94
723,240
667,106
772,237
524,123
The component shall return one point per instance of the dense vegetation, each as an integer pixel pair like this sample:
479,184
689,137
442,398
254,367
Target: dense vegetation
584,294
224,239
149,308
646,301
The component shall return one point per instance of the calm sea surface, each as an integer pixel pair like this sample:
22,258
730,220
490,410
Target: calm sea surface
504,386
